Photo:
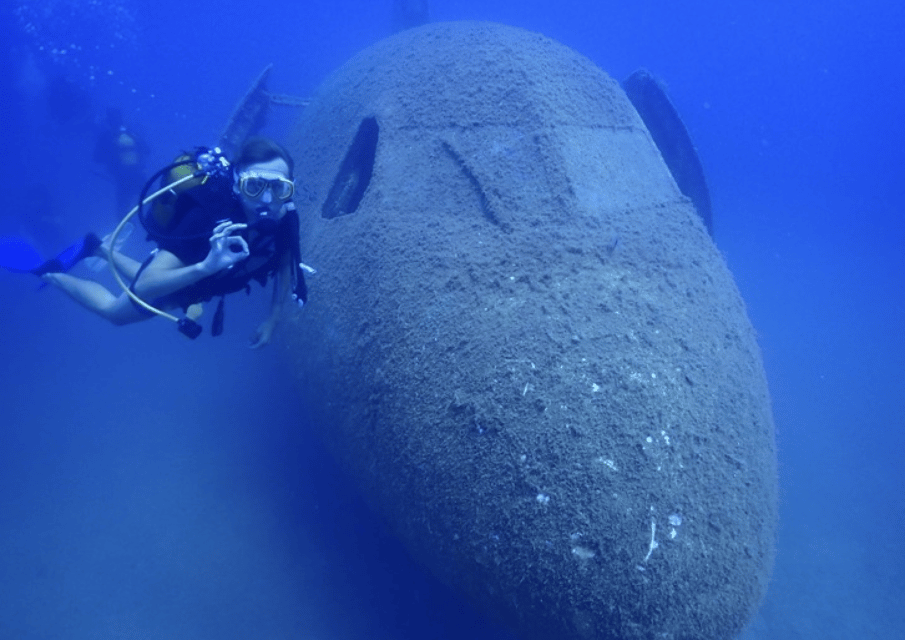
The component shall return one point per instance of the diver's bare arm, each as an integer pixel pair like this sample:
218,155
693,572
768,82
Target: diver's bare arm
167,274
282,287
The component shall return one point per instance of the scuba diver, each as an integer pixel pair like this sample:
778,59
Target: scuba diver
218,226
122,152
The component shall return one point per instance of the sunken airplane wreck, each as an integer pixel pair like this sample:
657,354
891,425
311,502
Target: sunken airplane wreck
523,344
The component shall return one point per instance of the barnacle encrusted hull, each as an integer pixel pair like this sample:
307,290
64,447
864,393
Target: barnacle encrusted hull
523,344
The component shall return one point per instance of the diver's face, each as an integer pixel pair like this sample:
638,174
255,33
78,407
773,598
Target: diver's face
264,188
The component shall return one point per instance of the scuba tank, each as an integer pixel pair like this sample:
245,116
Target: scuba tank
187,171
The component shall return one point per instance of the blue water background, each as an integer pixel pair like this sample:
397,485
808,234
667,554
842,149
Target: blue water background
153,488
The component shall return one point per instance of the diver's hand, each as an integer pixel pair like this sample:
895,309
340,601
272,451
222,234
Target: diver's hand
263,334
226,249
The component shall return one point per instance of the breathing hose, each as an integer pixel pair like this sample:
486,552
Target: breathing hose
186,325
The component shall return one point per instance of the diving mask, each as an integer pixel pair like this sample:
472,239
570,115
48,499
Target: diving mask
253,184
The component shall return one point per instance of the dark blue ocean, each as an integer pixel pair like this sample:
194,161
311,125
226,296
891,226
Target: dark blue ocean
155,488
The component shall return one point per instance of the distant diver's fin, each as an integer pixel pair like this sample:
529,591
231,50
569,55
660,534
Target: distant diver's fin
669,133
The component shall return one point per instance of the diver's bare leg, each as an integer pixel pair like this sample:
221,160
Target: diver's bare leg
126,266
96,298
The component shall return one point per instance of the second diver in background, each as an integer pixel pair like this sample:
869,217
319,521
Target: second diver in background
122,153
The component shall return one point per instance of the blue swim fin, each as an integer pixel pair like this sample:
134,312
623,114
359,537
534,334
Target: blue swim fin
18,255
70,256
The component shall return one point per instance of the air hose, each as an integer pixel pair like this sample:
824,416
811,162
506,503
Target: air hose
186,325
